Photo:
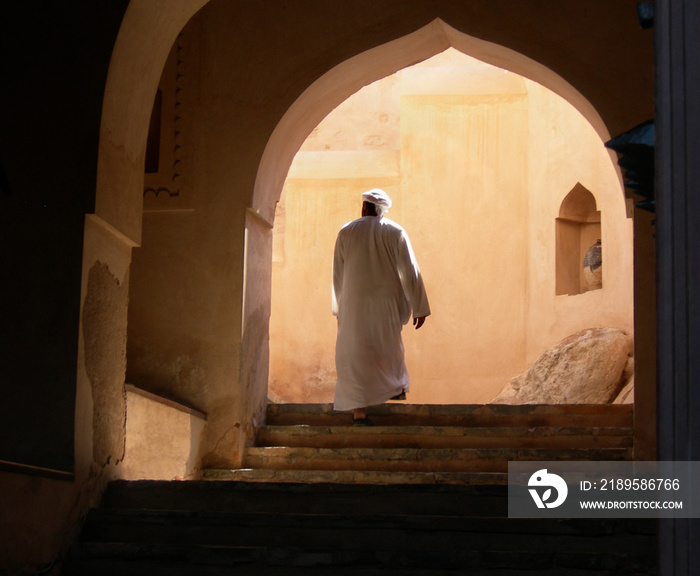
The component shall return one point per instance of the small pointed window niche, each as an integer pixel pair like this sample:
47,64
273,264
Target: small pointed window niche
579,266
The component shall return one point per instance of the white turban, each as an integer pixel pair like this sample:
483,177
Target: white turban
379,198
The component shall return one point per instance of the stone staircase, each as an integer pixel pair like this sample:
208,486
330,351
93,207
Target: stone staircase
418,444
422,493
218,528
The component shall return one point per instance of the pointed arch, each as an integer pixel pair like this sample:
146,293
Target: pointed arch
146,35
331,89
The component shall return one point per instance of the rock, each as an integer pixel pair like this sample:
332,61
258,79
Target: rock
626,395
588,367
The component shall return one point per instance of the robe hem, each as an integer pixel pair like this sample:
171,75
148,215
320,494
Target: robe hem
374,402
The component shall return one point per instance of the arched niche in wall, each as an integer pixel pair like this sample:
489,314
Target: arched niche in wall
578,239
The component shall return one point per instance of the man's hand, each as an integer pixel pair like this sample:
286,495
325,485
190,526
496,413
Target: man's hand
418,322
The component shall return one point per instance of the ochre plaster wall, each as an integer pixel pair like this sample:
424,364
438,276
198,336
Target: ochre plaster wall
478,162
565,152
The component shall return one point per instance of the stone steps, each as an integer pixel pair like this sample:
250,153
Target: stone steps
366,477
152,529
213,528
482,437
423,493
413,459
188,560
464,415
428,444
283,498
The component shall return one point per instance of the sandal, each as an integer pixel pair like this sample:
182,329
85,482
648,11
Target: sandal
362,422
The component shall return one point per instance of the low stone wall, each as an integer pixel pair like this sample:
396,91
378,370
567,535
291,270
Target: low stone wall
162,438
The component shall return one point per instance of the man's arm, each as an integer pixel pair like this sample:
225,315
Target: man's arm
337,276
411,281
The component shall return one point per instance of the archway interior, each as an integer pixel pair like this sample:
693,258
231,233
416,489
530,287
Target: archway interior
478,161
199,300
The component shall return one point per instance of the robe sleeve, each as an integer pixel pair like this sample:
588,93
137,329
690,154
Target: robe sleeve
338,265
411,279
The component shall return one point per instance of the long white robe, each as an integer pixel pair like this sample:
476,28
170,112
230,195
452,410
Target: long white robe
376,286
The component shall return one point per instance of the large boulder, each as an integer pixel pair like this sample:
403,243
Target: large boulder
626,395
588,367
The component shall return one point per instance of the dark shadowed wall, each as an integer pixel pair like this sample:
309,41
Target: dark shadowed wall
54,58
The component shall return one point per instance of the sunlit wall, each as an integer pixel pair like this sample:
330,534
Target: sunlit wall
478,162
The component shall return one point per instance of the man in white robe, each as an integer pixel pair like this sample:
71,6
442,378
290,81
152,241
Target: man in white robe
376,286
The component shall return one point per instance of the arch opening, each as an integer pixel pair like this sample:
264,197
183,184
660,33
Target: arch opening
116,227
474,157
338,84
